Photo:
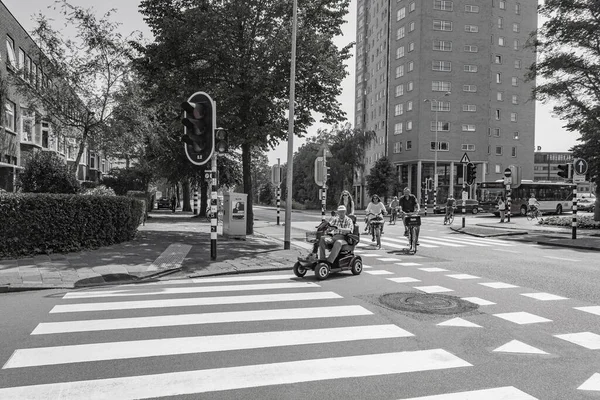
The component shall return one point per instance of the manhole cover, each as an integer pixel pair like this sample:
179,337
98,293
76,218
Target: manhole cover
427,303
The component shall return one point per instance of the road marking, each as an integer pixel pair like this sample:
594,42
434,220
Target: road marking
440,242
507,251
501,393
561,258
379,272
388,259
172,257
590,309
478,301
588,340
46,328
593,383
240,377
459,322
197,344
498,285
433,289
515,346
190,302
522,318
239,279
486,242
408,264
544,296
404,279
463,276
404,242
184,290
464,241
433,269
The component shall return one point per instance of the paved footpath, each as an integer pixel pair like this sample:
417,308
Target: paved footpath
167,245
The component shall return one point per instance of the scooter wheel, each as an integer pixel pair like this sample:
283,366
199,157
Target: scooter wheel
357,267
299,270
322,271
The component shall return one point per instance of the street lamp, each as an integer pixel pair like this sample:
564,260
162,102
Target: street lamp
435,174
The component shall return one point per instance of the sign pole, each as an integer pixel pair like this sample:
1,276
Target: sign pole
324,191
278,189
426,195
464,201
574,222
195,200
213,209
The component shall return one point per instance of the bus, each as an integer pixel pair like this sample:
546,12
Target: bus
553,197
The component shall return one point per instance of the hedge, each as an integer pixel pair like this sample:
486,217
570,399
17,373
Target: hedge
32,223
583,221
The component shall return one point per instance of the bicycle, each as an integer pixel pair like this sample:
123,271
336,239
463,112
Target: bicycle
375,224
533,213
393,215
413,224
449,218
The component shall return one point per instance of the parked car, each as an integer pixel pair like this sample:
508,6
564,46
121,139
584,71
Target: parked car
471,206
587,203
163,203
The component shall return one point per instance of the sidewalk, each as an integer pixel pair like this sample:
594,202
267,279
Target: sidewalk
168,244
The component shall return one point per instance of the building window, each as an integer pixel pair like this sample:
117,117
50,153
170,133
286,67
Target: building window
398,128
469,108
498,77
400,90
468,147
497,115
411,7
9,116
517,64
498,150
443,106
27,125
441,86
470,68
397,147
470,48
441,146
499,96
502,5
411,46
400,52
469,88
399,71
409,106
10,53
515,99
513,117
441,126
408,144
471,28
442,5
411,66
498,59
409,86
401,14
21,61
501,41
442,45
497,132
400,33
513,152
517,8
500,23
409,125
515,81
516,44
411,27
441,25
468,128
497,168
516,135
445,66
471,9
399,109
516,27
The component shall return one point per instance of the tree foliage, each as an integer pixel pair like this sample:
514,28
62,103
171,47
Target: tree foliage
46,172
382,179
568,71
239,53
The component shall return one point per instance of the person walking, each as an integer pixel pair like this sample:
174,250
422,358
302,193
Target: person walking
173,202
347,201
501,207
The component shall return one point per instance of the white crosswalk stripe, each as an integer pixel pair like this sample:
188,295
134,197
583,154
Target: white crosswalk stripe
231,319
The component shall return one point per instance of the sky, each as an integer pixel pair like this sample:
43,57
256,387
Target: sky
548,132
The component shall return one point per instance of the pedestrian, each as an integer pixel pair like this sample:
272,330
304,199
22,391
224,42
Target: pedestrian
347,201
501,207
173,202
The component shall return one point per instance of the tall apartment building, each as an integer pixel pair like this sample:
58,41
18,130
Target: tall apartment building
22,131
451,69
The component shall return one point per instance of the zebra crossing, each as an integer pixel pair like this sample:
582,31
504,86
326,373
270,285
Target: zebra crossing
430,241
227,315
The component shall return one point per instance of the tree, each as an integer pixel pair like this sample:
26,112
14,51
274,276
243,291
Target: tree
382,178
239,52
76,81
46,172
569,71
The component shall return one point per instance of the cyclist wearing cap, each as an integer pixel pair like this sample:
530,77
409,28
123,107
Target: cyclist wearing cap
344,225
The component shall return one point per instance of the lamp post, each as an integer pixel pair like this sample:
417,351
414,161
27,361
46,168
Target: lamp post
435,174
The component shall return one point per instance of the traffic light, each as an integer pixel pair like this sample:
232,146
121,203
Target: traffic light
199,129
327,173
429,183
471,173
222,140
564,171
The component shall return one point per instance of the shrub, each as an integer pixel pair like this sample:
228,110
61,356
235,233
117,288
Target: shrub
45,223
99,191
46,172
583,221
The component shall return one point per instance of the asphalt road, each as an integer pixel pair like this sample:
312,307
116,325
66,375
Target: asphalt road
535,334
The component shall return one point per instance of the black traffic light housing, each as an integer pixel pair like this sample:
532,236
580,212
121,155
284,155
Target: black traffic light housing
199,128
221,141
564,171
429,184
327,174
471,173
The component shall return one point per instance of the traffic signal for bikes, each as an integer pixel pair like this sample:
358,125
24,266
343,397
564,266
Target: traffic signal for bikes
199,130
471,173
327,174
564,171
222,140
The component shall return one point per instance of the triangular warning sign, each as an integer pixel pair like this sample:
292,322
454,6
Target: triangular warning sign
465,159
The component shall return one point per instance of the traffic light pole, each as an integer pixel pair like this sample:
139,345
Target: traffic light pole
324,187
213,208
574,222
508,202
278,190
464,201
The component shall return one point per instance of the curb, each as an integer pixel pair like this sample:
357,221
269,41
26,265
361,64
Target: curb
568,246
516,233
237,272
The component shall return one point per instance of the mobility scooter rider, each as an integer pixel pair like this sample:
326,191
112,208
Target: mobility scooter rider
345,226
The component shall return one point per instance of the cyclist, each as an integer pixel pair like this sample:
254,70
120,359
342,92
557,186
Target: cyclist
408,203
533,203
450,205
375,207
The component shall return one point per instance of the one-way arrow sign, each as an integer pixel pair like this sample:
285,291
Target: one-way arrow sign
580,166
465,159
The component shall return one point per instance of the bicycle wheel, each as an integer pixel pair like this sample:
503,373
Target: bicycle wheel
530,215
414,235
451,219
378,235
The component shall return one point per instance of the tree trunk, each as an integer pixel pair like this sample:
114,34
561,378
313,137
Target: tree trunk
597,207
75,167
185,188
247,172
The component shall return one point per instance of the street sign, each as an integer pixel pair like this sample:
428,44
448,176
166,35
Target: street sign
580,166
324,151
508,172
465,196
319,171
578,178
276,175
207,175
465,159
507,180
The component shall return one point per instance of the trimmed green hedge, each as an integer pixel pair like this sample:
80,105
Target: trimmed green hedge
33,223
583,221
